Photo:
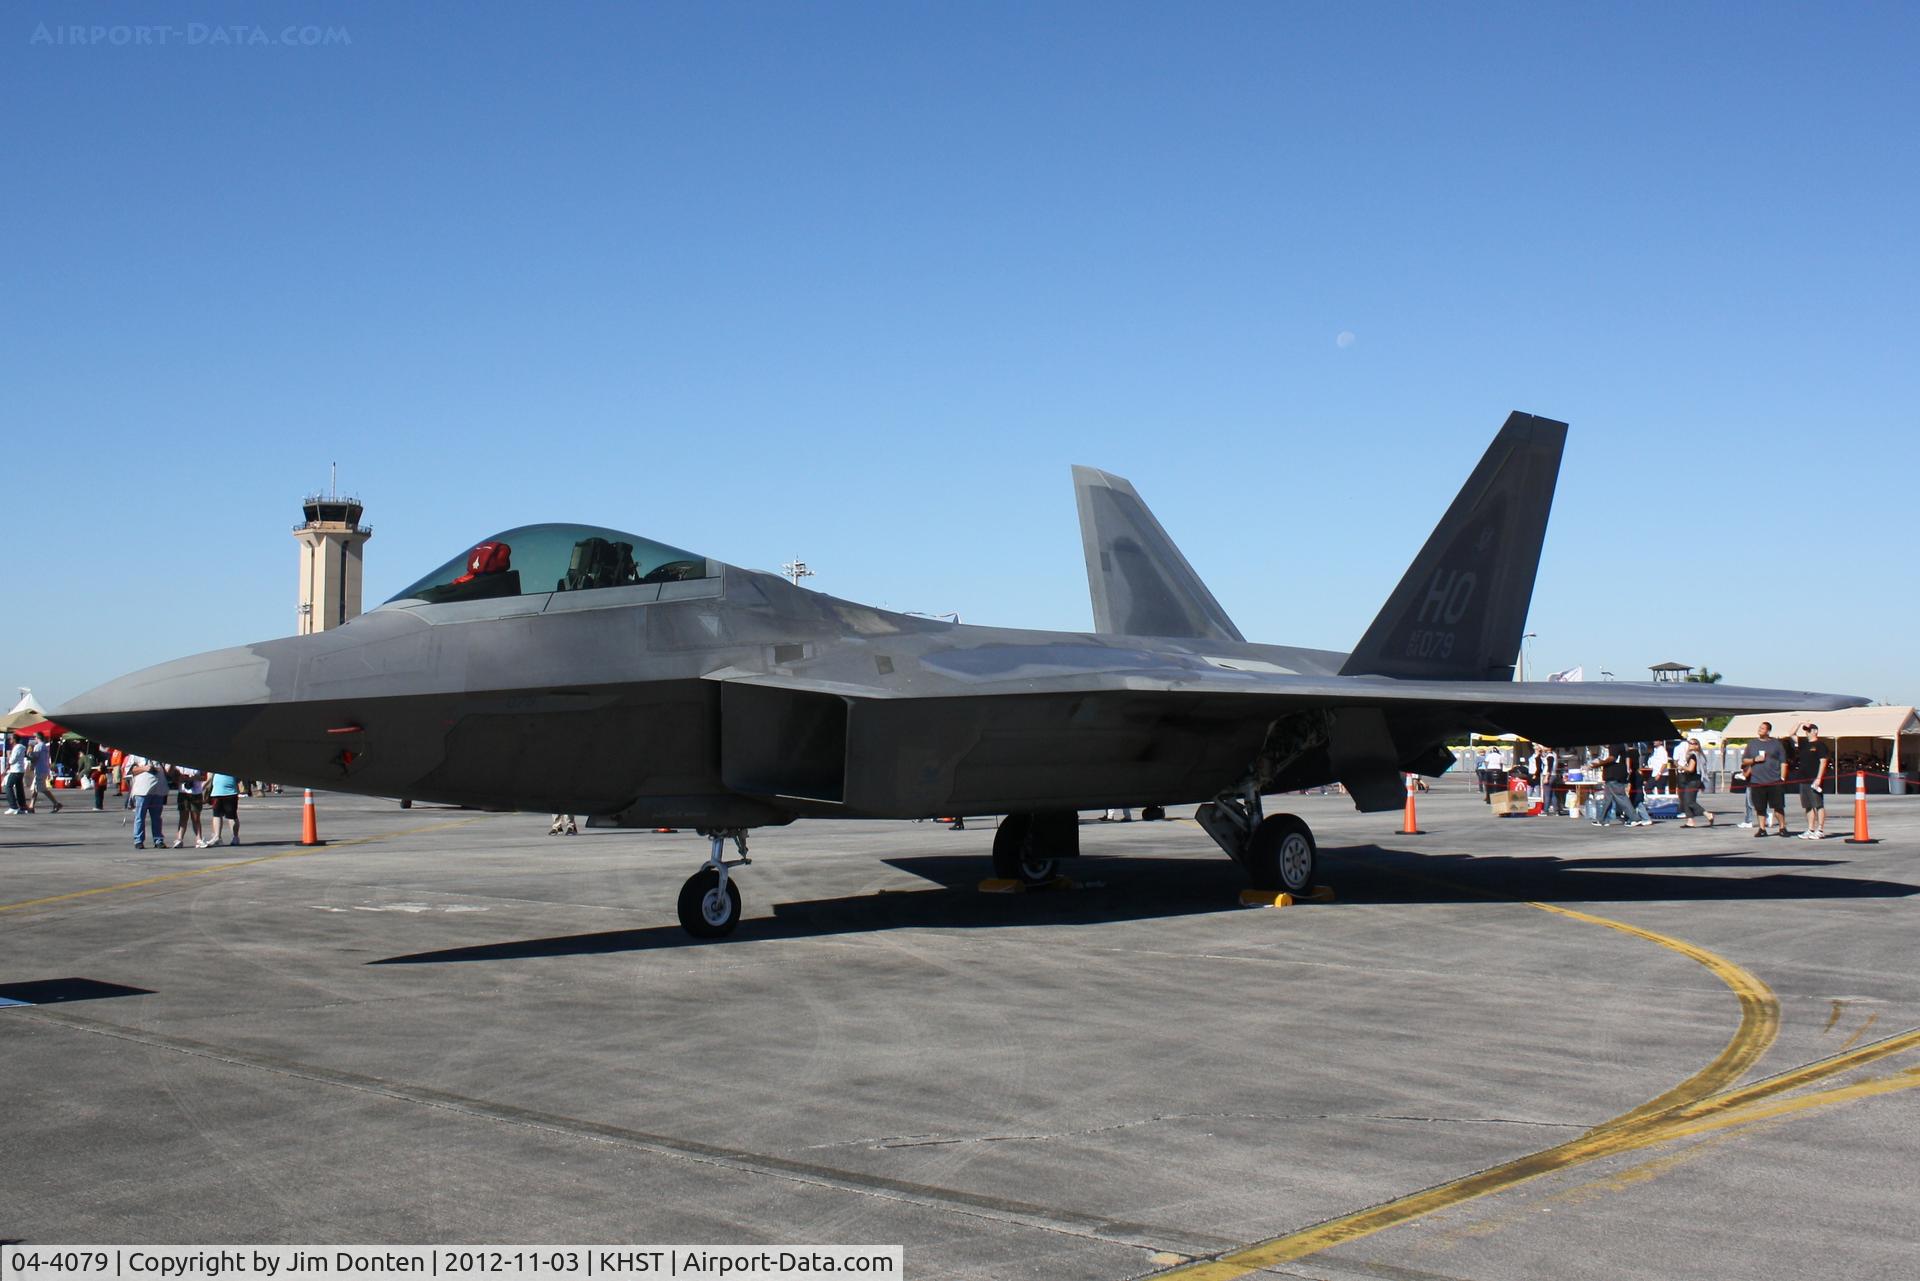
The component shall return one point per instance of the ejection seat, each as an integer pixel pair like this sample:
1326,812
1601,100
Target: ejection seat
599,562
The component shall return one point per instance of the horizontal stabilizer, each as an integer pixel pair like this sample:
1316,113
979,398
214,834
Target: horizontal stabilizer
1141,584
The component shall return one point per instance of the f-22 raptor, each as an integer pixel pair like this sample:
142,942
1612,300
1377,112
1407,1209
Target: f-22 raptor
578,669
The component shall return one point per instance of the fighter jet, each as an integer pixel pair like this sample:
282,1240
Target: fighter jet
584,670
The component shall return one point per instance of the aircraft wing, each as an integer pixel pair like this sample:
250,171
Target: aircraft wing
1061,724
1016,670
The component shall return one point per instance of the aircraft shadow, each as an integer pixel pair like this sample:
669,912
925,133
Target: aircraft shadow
1119,889
1182,887
1726,859
60,991
1374,873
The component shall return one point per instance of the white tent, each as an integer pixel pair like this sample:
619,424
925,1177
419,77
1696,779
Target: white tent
1881,724
25,712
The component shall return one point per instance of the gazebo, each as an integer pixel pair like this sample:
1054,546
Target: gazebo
1665,672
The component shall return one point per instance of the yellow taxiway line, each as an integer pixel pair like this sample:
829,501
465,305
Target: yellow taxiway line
1759,1020
1697,1105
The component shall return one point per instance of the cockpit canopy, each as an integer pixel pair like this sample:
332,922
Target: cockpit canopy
534,559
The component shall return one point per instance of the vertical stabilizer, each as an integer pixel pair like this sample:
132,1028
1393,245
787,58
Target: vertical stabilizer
1459,612
1141,584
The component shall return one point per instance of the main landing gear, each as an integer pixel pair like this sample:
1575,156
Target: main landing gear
1028,847
710,901
1277,850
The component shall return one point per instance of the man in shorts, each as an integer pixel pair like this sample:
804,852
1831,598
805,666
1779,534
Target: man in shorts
1816,761
1766,758
224,790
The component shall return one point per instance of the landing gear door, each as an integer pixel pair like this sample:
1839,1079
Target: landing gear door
1365,759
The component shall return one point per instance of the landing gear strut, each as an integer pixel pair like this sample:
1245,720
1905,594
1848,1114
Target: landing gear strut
710,901
1277,850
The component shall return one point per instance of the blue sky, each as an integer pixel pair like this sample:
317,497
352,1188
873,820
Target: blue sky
858,282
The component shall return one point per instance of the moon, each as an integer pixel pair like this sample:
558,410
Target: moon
1345,339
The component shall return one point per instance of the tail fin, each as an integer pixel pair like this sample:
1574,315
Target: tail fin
1459,611
1141,584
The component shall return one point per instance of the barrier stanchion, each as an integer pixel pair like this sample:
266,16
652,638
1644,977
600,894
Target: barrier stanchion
1410,826
309,826
1860,834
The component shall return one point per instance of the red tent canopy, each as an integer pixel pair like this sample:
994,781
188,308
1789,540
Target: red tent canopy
49,728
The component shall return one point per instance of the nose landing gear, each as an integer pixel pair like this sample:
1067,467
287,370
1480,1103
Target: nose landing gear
710,901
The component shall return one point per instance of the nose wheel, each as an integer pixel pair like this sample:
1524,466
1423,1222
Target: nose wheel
710,901
709,908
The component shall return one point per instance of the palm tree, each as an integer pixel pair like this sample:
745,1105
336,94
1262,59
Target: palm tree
1704,676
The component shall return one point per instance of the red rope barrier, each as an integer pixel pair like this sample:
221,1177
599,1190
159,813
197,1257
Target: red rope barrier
1679,787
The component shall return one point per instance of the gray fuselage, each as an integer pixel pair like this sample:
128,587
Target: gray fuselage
736,700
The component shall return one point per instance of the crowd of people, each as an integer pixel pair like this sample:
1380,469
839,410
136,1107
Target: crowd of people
152,781
144,787
1620,783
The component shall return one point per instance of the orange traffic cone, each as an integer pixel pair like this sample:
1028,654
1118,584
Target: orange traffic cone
1410,826
1860,835
309,827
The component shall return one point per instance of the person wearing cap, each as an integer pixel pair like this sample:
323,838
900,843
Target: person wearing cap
1816,759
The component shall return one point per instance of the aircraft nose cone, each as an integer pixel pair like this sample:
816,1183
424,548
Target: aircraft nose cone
185,710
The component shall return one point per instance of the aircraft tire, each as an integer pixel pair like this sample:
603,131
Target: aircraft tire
1281,855
1013,856
705,913
1153,813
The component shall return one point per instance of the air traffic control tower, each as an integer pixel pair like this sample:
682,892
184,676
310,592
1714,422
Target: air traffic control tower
330,543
